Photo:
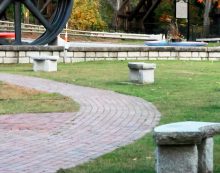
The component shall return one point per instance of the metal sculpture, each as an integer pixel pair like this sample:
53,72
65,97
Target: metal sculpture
54,22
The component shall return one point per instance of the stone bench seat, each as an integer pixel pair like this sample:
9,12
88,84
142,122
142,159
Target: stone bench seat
185,147
45,63
141,72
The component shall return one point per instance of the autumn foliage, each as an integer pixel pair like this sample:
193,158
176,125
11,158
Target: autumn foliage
86,16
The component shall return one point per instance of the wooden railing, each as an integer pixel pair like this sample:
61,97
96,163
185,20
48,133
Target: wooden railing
6,26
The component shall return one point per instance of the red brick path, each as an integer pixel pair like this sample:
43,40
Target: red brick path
44,143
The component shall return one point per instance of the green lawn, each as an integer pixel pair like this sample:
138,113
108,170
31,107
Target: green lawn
182,91
213,44
15,99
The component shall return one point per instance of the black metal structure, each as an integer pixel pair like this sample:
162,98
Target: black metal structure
53,22
138,15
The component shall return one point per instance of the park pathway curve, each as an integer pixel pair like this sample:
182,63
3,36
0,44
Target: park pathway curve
46,142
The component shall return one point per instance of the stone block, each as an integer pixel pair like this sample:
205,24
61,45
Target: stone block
110,59
172,58
90,59
133,54
113,54
46,53
141,72
174,55
22,54
45,63
79,54
152,58
142,58
185,54
101,54
184,58
67,59
204,59
144,54
78,60
122,54
162,58
195,54
131,58
153,54
164,54
185,133
90,55
99,59
63,53
2,53
32,53
24,60
214,54
175,159
205,152
69,54
12,60
10,54
196,59
213,59
121,59
60,60
203,54
55,53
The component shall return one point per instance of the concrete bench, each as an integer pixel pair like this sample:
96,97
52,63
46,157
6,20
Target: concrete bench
45,63
141,72
185,147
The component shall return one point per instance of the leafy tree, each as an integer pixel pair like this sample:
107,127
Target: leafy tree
86,16
209,7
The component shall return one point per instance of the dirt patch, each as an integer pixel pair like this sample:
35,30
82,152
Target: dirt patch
9,91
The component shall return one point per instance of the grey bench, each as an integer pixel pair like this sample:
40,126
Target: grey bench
140,72
45,63
185,147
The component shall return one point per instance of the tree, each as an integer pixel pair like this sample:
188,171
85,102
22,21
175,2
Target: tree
86,16
208,5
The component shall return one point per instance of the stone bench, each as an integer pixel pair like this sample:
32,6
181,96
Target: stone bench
185,147
141,72
45,63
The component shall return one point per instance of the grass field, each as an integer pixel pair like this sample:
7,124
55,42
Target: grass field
15,99
182,91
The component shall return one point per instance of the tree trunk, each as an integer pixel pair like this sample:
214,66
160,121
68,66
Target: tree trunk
206,21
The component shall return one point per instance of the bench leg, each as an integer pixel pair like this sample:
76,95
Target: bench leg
142,76
134,75
205,151
50,66
177,159
38,65
146,76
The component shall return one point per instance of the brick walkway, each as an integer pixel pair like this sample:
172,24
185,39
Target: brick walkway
44,143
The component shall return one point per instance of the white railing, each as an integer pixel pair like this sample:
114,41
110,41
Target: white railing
6,26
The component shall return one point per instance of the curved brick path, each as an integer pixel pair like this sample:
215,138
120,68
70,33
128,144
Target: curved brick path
43,143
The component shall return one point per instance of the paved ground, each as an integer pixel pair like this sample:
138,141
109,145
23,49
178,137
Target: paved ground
43,143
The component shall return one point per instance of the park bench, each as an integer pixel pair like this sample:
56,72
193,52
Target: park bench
45,63
185,147
140,72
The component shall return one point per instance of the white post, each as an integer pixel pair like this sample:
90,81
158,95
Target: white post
66,34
